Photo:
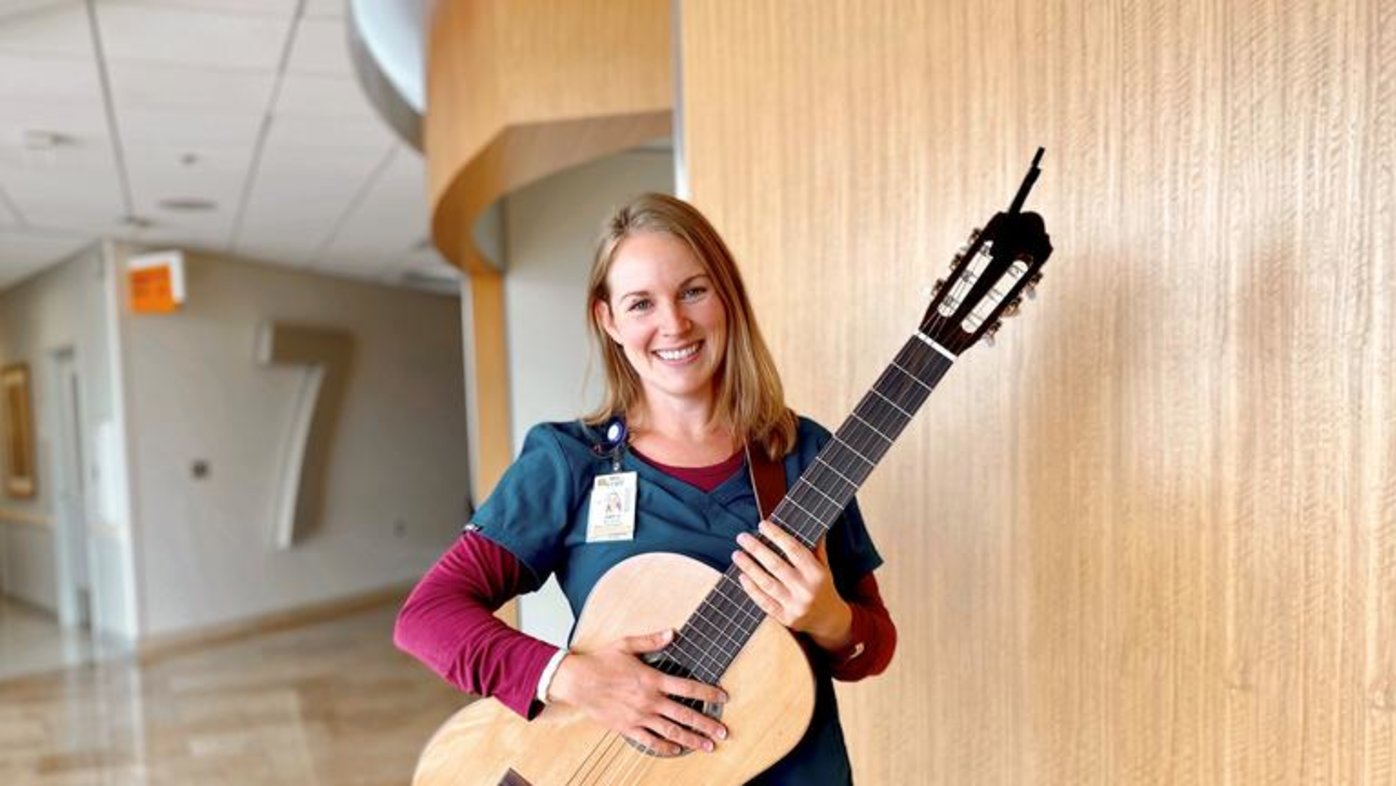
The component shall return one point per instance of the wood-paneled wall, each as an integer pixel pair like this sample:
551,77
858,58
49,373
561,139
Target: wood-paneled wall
517,90
1151,536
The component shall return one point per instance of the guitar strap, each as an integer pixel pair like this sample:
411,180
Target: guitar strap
767,479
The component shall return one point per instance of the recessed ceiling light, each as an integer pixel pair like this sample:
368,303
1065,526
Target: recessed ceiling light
187,205
38,139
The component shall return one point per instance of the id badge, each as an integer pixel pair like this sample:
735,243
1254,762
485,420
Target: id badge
612,513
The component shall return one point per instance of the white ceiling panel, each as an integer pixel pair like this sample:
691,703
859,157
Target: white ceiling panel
137,86
201,113
325,9
213,173
77,123
50,170
184,36
293,251
23,254
8,214
323,96
391,217
282,9
308,134
48,80
321,47
176,236
50,28
180,129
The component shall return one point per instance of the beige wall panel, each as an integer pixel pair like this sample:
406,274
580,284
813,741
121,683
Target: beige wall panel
1150,537
518,89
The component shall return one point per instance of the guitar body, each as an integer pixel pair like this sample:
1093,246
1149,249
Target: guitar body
770,687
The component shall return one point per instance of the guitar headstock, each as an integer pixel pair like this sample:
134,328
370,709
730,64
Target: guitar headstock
990,275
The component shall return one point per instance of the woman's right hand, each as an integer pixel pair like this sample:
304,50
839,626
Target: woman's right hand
621,692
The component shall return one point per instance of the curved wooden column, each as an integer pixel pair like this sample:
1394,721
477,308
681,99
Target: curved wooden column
517,90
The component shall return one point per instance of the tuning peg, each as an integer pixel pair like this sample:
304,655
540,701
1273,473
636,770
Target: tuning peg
990,335
1011,310
1031,289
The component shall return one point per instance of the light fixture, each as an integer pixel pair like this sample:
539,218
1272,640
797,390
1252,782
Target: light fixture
39,139
187,205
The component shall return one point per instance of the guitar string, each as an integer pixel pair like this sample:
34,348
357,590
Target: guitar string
640,765
610,741
616,742
579,771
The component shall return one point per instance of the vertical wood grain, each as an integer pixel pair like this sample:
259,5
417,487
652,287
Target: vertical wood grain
1150,537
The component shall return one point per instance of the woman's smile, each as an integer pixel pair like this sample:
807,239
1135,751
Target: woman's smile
666,316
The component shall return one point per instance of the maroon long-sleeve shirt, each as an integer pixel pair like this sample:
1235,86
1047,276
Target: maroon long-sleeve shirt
448,621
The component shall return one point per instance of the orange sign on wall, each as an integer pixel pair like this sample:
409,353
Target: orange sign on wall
156,282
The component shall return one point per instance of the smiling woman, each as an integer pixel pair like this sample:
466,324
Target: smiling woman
645,500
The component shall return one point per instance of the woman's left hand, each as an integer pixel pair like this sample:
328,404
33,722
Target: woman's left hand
797,589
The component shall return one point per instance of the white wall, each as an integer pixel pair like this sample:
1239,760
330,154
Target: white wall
550,231
67,305
397,476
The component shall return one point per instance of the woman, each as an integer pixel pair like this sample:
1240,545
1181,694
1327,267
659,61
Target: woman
690,389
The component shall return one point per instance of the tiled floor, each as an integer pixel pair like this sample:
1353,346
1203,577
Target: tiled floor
332,703
31,642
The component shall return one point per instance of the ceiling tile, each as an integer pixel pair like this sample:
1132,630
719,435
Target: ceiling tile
146,86
181,36
305,135
323,96
48,80
23,254
76,123
46,28
187,129
325,9
321,47
276,8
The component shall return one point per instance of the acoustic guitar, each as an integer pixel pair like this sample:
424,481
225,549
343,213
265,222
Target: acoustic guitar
721,636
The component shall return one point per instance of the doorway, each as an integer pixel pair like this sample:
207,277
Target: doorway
70,495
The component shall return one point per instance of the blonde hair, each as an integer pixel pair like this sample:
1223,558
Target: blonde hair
750,398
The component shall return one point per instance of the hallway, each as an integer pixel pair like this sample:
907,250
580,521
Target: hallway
331,703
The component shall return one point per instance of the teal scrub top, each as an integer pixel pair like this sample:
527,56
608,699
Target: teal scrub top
538,512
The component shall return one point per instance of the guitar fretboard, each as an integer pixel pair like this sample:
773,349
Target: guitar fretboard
726,619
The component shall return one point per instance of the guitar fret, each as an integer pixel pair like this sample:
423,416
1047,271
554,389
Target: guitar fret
818,491
905,413
820,459
727,618
872,428
911,376
782,518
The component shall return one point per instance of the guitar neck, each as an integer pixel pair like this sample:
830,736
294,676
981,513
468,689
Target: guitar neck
726,619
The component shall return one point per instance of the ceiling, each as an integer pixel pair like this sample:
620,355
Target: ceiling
110,109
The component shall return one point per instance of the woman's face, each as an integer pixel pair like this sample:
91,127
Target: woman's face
666,316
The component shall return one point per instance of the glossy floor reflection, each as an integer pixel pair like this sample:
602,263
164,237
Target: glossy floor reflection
31,641
332,703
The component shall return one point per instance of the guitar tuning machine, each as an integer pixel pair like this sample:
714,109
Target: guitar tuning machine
934,289
991,335
1011,310
1031,289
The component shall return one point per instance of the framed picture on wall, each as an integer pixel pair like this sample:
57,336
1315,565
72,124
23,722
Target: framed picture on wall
18,420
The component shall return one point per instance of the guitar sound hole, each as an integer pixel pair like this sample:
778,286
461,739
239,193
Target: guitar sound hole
662,662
